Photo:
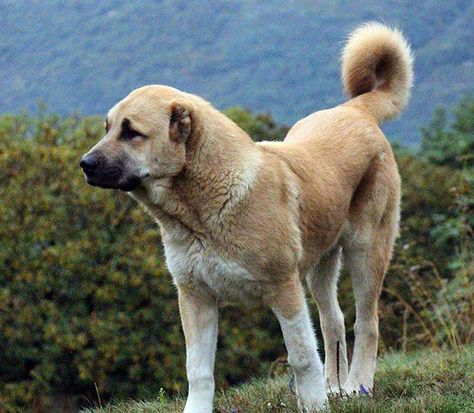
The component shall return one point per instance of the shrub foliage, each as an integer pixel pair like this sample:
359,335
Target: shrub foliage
87,306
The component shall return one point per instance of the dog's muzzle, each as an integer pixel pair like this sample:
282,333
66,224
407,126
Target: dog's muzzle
104,174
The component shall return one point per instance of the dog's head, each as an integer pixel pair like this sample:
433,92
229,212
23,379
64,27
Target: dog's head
145,137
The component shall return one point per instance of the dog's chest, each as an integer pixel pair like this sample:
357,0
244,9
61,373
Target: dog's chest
202,266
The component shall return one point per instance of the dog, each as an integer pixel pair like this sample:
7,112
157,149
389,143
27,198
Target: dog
249,221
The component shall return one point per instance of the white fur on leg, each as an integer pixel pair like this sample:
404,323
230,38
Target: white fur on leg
323,285
365,285
200,370
304,359
201,380
361,376
336,361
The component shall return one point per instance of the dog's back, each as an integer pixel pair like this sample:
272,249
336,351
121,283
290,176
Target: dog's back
377,74
343,149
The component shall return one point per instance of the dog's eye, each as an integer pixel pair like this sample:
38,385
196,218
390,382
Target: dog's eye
106,126
128,132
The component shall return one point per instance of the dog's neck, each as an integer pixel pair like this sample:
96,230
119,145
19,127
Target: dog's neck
221,166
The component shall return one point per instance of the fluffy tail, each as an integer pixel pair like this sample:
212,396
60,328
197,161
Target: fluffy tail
377,70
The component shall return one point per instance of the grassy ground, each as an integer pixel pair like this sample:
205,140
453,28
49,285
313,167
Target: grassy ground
424,382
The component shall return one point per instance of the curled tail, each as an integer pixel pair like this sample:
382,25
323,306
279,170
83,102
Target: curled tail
377,70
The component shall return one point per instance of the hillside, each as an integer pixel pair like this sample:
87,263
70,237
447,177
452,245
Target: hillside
279,56
424,382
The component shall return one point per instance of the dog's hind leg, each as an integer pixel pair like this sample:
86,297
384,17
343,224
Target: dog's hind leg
289,305
323,286
367,262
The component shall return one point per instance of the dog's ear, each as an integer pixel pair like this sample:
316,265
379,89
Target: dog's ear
180,123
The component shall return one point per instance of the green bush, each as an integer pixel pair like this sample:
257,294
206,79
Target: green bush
260,127
452,144
85,299
432,255
429,293
87,306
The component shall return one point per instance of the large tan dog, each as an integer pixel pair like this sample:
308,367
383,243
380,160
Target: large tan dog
247,221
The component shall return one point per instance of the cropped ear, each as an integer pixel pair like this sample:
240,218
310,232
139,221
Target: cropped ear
180,123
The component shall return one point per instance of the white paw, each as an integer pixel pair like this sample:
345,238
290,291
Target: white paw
356,390
313,406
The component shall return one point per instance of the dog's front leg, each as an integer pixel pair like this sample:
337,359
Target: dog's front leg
199,320
290,307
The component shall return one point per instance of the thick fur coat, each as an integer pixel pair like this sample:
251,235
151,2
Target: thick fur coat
249,221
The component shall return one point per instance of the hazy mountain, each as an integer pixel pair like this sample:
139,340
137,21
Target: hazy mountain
277,56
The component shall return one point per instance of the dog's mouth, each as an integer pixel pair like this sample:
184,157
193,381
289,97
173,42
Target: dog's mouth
113,181
110,175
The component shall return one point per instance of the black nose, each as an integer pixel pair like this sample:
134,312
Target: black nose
89,162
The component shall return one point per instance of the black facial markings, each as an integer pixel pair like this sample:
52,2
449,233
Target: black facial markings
128,132
107,127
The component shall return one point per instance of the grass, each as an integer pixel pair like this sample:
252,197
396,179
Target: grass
422,382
